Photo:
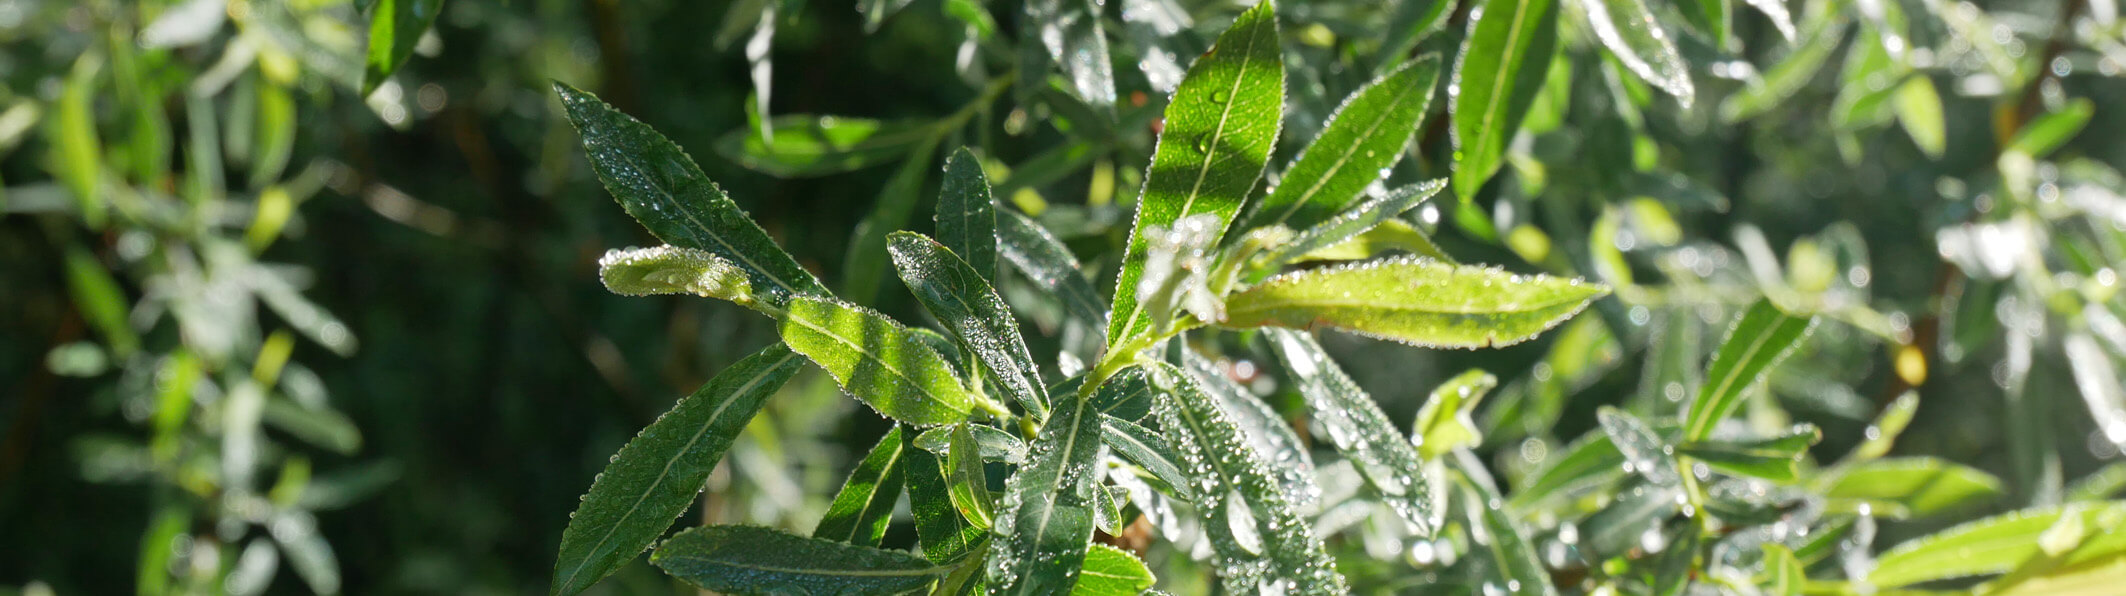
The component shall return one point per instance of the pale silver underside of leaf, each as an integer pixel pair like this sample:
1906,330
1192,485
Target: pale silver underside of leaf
673,270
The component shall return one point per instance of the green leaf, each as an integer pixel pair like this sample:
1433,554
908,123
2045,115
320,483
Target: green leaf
968,478
1043,259
1919,110
2102,484
1149,451
1266,431
1590,462
1443,423
966,214
1357,220
1070,31
1363,139
994,445
1126,395
1620,526
1776,12
1220,126
1645,453
1918,485
865,263
1793,72
1983,547
1880,436
1391,234
1111,571
77,153
808,145
1776,458
1759,339
100,300
1257,538
1047,516
656,476
876,11
864,505
1783,574
1415,301
944,534
1357,426
662,188
753,560
878,361
394,26
1508,548
2047,133
1637,40
956,294
673,270
1501,68
1677,562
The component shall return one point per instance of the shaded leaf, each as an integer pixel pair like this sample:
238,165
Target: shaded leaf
956,294
1048,263
864,265
806,145
1415,301
1776,458
1357,220
1070,31
1357,426
967,478
753,560
864,505
967,214
994,445
655,476
1150,451
944,534
394,27
1271,436
1047,517
1645,453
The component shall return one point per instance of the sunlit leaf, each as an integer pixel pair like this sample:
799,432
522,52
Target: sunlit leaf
1759,339
1443,423
394,26
861,509
879,362
1919,110
1266,431
805,145
673,270
956,294
1983,547
1070,31
1501,69
1219,129
967,478
2050,131
1111,571
2098,380
944,534
662,188
1148,450
1047,516
77,153
753,560
1637,40
995,445
1415,301
1775,458
1357,220
1362,140
966,214
656,476
1783,574
1920,485
1357,426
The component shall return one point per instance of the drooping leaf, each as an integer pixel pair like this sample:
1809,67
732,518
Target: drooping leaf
1775,458
100,300
1111,571
1759,339
1630,32
655,476
1266,431
967,214
879,362
1501,68
1357,426
1357,220
807,145
1364,137
1443,423
861,509
662,188
944,534
967,478
1982,547
1150,451
673,270
1070,31
995,445
1257,538
1415,301
1220,126
1047,262
754,560
1917,485
1047,517
394,27
956,294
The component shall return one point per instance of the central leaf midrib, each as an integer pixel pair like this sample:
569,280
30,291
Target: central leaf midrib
651,182
859,349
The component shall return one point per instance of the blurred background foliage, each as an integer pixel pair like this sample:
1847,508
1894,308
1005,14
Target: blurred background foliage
265,331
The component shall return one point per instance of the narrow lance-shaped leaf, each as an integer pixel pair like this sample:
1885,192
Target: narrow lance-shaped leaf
655,477
864,505
1783,574
1257,538
1266,431
1219,129
1983,547
1912,486
1637,40
967,214
956,294
1111,571
879,362
1047,516
754,560
807,145
1775,458
1150,451
865,262
1357,426
1761,338
1644,452
77,153
662,188
1792,73
1357,220
1043,259
673,270
944,534
1415,301
1502,66
1364,137
1776,11
967,478
1443,423
394,27
1070,31
995,445
1512,554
